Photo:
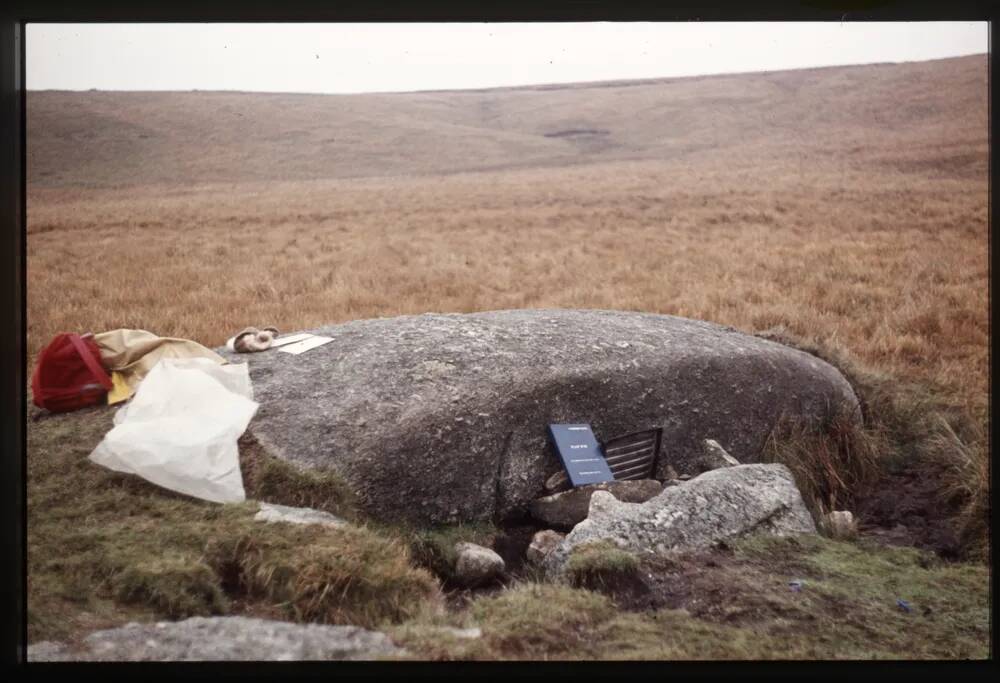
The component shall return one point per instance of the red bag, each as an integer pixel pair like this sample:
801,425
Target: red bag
69,374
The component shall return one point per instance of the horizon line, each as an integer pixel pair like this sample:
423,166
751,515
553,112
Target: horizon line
551,85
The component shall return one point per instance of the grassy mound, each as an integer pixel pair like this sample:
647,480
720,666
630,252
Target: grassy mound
105,547
600,565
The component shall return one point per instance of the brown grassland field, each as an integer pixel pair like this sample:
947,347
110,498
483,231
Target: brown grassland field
843,209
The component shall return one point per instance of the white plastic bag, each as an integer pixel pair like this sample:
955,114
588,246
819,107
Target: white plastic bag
180,429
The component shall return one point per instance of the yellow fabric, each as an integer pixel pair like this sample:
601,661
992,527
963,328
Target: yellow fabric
131,354
120,390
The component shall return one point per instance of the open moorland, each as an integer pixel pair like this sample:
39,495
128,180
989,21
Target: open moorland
843,210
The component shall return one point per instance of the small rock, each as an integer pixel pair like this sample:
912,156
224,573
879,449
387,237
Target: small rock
714,456
566,509
840,525
542,544
476,565
672,482
269,512
684,477
224,638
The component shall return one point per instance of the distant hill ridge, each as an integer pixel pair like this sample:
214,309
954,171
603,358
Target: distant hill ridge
106,139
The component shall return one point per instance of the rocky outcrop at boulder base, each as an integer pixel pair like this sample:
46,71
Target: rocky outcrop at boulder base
222,639
721,504
442,418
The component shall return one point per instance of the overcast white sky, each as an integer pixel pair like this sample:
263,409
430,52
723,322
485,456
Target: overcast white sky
346,58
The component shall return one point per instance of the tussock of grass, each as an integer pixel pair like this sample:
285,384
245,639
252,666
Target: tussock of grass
342,575
599,564
176,587
831,459
966,477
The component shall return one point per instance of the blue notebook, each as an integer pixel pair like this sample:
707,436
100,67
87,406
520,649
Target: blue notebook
580,454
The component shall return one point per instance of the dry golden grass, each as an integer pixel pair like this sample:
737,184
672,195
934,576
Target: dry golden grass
894,269
848,206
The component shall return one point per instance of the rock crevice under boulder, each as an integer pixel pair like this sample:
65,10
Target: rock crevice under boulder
566,509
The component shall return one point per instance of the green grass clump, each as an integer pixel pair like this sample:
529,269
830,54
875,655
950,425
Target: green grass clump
342,575
277,481
599,564
176,587
542,620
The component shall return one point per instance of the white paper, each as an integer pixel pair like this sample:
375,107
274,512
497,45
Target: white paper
290,339
180,429
303,346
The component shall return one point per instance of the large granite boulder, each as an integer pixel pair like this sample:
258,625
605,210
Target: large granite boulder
717,505
442,418
222,639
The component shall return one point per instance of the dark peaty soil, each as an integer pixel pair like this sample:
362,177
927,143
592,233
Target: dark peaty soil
905,508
